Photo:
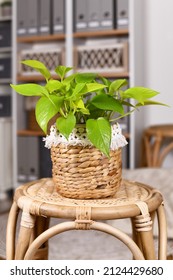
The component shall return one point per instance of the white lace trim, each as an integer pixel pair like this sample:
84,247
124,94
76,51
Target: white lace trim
79,137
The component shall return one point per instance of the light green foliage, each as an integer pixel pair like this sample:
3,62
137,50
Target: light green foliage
99,133
83,98
66,125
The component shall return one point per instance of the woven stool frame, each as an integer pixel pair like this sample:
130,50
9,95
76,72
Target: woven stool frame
39,201
84,172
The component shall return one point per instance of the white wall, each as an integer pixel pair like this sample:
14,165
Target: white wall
153,65
158,52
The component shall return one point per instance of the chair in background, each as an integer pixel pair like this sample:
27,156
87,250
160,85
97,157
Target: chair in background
157,144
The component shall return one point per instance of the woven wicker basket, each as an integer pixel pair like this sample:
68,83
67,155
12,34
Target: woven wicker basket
84,172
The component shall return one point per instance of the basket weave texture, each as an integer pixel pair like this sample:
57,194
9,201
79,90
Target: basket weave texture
84,172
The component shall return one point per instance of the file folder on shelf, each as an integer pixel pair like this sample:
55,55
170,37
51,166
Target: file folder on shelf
94,14
22,12
107,14
5,34
122,14
45,17
5,105
32,17
5,66
58,16
80,15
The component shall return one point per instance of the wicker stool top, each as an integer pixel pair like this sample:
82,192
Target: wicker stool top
41,198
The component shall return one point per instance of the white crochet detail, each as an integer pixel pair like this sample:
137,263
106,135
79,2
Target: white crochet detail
79,137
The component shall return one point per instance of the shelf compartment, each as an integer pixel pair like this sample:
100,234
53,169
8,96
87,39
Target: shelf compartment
50,57
102,58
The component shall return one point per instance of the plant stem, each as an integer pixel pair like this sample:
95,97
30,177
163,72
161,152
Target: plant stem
62,113
120,117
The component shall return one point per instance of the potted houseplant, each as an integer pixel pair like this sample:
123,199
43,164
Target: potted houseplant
85,138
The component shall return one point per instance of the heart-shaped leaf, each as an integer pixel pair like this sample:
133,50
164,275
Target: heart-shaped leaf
66,125
92,87
116,85
85,77
99,133
61,70
139,93
46,109
53,85
30,89
107,102
38,66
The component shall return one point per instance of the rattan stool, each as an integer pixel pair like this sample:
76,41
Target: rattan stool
40,201
154,150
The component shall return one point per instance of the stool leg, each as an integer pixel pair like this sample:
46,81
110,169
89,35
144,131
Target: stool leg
162,233
26,228
11,232
42,224
145,234
135,235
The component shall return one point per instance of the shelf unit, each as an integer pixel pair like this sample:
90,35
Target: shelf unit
134,74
